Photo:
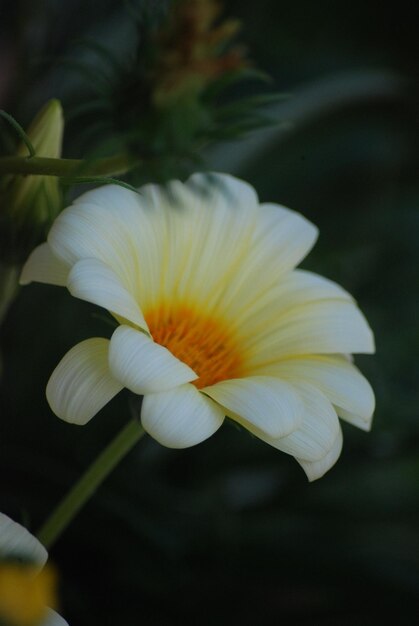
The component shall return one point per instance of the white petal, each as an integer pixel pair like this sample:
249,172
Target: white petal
354,419
262,306
181,417
85,231
144,366
324,326
217,188
122,229
317,469
82,384
286,233
110,198
210,223
300,286
53,619
318,431
188,235
267,404
17,542
280,239
94,281
338,379
43,266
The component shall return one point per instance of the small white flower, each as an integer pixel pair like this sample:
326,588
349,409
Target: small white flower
23,588
214,318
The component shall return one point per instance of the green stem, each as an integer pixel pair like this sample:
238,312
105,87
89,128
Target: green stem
109,166
89,482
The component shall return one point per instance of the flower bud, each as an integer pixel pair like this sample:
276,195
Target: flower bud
29,204
193,51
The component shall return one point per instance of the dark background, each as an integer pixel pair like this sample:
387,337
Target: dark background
230,531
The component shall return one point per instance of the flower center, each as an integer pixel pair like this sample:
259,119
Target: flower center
25,593
202,342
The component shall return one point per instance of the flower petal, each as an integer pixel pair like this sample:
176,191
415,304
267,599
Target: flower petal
285,233
94,281
324,326
317,469
17,542
262,307
318,431
209,223
144,366
340,381
354,419
220,189
43,266
109,198
280,239
90,230
82,384
53,619
267,404
181,417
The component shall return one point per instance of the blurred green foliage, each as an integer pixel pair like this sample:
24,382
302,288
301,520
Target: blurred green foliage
230,531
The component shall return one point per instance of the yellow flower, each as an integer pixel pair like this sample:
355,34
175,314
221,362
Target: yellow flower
27,586
214,319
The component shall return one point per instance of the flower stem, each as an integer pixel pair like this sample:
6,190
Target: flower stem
109,166
89,482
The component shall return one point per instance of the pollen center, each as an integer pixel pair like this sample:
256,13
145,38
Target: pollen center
202,342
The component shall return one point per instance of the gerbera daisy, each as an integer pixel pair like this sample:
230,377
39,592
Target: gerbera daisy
214,319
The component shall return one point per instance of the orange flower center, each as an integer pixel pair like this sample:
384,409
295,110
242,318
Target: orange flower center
202,342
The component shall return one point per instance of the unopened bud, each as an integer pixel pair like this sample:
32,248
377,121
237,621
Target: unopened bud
29,204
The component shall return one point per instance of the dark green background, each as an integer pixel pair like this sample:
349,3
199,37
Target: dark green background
230,532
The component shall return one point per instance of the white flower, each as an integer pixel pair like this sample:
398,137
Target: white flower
213,318
23,587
